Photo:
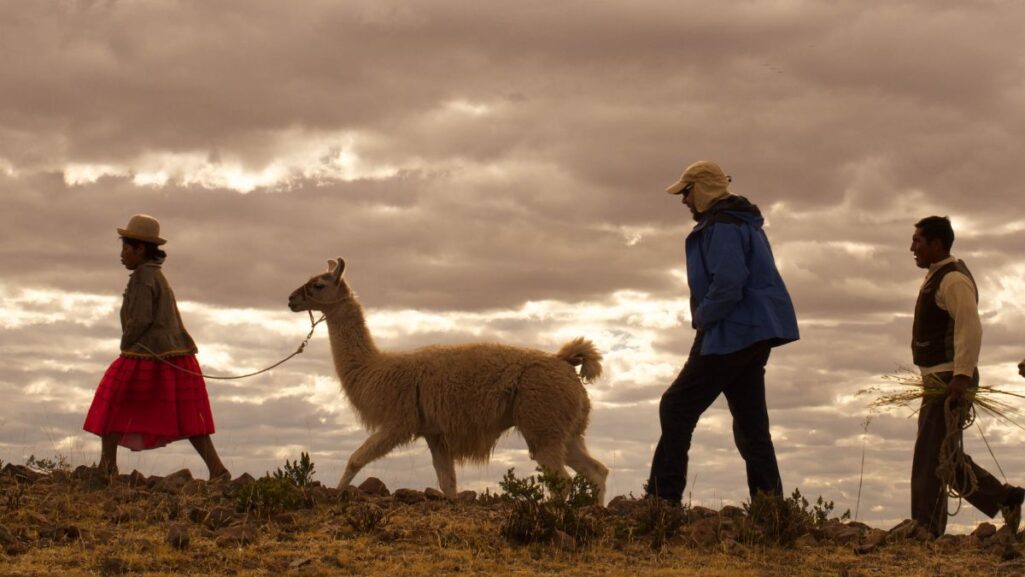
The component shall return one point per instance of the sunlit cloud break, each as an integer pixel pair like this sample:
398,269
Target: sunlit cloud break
296,156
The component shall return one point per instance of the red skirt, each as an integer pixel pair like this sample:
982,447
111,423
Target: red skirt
150,403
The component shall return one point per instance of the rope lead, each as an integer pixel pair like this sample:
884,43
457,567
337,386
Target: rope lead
302,347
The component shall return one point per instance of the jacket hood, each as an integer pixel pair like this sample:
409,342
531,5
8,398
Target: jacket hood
737,207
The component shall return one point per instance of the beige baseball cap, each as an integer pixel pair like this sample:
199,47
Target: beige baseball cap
702,171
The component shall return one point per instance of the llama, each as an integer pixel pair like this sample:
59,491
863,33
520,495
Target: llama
460,399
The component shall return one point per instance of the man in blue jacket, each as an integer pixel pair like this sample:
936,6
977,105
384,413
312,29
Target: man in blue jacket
741,310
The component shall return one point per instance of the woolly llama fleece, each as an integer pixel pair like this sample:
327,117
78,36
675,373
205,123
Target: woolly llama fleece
460,399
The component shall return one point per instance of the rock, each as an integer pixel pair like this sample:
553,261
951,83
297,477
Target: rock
136,479
841,534
705,532
194,487
235,536
466,496
984,531
409,496
949,542
300,562
731,512
320,494
233,487
175,482
1004,535
908,530
699,512
564,541
83,472
624,506
874,537
374,486
22,474
178,537
433,494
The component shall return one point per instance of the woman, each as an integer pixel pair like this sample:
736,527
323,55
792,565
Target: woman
153,393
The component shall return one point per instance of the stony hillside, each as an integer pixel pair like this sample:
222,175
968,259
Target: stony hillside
78,523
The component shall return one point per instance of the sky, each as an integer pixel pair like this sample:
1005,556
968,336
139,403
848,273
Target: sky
496,173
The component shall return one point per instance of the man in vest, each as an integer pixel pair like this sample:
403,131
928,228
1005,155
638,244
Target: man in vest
946,339
741,309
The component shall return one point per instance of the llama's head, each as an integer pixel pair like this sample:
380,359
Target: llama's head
323,291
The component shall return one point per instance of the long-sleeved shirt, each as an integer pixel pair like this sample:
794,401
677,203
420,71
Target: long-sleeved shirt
956,295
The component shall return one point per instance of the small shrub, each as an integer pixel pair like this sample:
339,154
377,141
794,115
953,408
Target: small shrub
546,503
299,473
661,520
269,495
48,466
780,521
364,517
822,510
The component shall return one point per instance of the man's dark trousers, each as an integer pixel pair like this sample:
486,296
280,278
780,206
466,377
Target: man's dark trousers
928,495
741,377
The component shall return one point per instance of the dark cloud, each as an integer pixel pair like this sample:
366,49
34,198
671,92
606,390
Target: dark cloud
466,161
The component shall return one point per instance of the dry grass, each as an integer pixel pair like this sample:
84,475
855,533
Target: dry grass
906,388
76,528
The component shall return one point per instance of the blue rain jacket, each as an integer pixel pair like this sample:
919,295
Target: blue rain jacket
737,296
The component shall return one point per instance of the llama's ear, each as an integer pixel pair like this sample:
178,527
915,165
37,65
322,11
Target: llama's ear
331,263
338,268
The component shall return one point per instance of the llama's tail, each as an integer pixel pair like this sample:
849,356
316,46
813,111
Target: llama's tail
582,352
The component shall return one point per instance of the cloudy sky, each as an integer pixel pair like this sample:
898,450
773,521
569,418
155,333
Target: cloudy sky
496,174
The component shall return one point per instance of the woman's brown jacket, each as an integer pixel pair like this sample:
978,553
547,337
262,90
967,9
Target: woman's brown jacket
150,321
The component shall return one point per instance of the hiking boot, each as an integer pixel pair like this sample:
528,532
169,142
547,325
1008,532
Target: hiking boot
1011,509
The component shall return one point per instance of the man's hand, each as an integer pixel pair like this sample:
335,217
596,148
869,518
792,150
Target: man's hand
958,386
1021,368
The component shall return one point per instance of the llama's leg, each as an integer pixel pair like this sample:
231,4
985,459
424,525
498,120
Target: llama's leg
444,464
375,447
583,463
552,457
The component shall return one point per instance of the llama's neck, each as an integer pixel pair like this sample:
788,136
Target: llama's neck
352,347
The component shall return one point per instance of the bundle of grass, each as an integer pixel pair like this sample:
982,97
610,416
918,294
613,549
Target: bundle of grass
906,387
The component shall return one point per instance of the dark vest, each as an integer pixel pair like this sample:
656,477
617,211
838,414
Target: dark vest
932,338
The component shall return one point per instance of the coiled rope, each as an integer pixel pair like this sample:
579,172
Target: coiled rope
955,469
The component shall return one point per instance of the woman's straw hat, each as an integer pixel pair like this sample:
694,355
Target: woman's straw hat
142,227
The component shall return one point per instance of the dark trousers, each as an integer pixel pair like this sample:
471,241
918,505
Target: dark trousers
741,377
928,495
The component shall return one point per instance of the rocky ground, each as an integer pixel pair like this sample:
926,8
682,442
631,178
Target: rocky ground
79,523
